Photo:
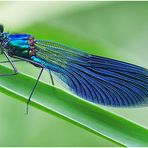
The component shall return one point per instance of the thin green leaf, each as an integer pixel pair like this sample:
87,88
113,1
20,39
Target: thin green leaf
78,111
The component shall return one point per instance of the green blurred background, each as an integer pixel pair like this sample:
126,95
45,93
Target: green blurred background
117,30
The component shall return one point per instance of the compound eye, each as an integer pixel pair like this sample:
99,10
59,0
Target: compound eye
1,28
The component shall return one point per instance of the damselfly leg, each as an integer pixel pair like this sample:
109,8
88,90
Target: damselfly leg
11,63
16,72
51,77
39,76
34,89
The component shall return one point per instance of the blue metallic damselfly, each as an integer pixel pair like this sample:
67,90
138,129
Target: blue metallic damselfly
97,79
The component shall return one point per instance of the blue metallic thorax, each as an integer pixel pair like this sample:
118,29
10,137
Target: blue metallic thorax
19,36
19,41
22,46
19,45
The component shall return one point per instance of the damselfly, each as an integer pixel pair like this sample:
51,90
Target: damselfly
97,79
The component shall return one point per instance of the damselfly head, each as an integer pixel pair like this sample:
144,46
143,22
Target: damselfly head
1,28
1,37
1,31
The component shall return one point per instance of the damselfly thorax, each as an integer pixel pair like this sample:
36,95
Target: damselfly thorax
19,46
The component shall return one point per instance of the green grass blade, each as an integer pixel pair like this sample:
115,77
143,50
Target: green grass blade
76,110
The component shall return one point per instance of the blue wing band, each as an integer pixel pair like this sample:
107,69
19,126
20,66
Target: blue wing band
97,79
111,82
